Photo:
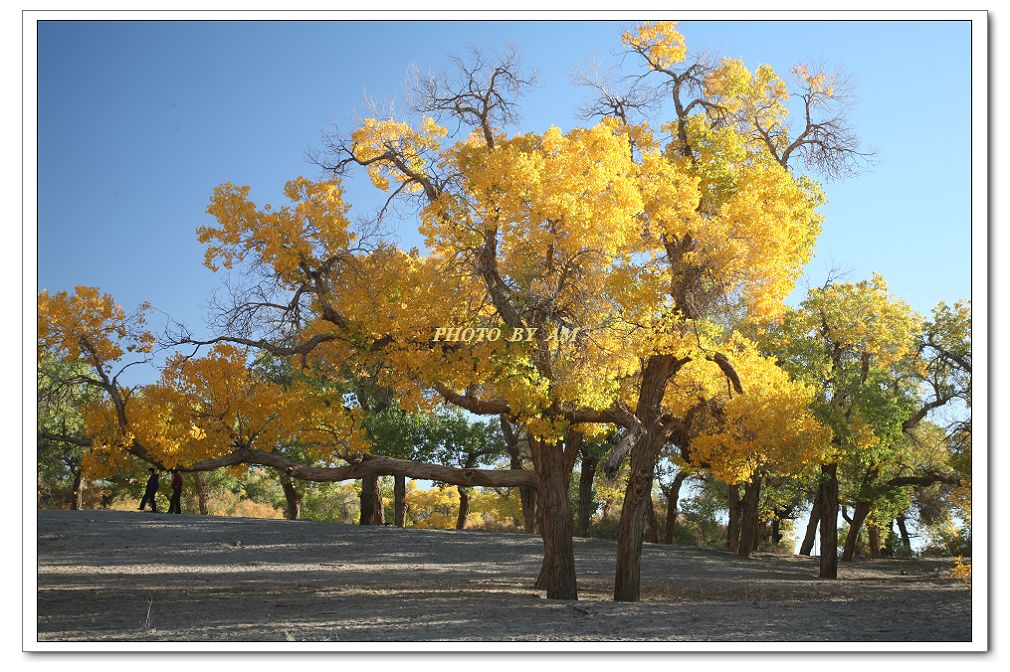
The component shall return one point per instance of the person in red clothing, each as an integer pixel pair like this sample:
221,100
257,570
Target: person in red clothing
174,506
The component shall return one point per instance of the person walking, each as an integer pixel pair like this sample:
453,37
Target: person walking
175,506
150,491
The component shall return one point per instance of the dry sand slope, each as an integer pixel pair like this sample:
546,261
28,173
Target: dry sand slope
107,575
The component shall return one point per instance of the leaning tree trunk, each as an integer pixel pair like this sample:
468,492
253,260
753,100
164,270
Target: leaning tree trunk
749,518
464,506
855,526
828,495
292,498
77,492
630,535
399,500
557,572
586,476
815,517
735,507
672,497
371,502
906,540
202,496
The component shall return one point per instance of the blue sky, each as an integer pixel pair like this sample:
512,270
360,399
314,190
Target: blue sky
138,121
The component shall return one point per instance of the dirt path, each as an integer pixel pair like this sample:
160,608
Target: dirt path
106,575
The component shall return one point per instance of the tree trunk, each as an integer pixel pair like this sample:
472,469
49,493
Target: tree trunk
630,535
371,502
400,500
464,506
203,497
527,495
776,533
906,541
750,517
77,491
557,572
672,498
586,476
815,517
292,498
528,499
651,522
735,507
858,516
873,532
828,495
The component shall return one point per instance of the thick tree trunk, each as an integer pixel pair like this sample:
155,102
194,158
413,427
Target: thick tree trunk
749,518
906,540
873,532
672,498
855,525
776,533
202,496
651,522
735,507
815,517
828,495
400,500
586,476
464,506
557,572
77,491
292,498
371,502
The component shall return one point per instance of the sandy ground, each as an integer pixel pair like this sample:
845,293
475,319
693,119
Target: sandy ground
106,575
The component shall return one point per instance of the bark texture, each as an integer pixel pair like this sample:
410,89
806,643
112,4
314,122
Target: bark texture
828,495
586,477
292,498
672,500
399,500
371,502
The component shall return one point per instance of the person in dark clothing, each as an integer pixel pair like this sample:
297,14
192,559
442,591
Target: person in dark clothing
151,491
174,506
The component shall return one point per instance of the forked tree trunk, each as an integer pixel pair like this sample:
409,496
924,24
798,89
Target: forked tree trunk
202,496
749,518
815,517
557,571
371,502
400,500
828,495
651,522
586,476
77,491
906,540
292,498
672,498
735,507
855,525
464,506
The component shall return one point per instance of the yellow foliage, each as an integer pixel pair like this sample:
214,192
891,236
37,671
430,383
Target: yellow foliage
961,571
